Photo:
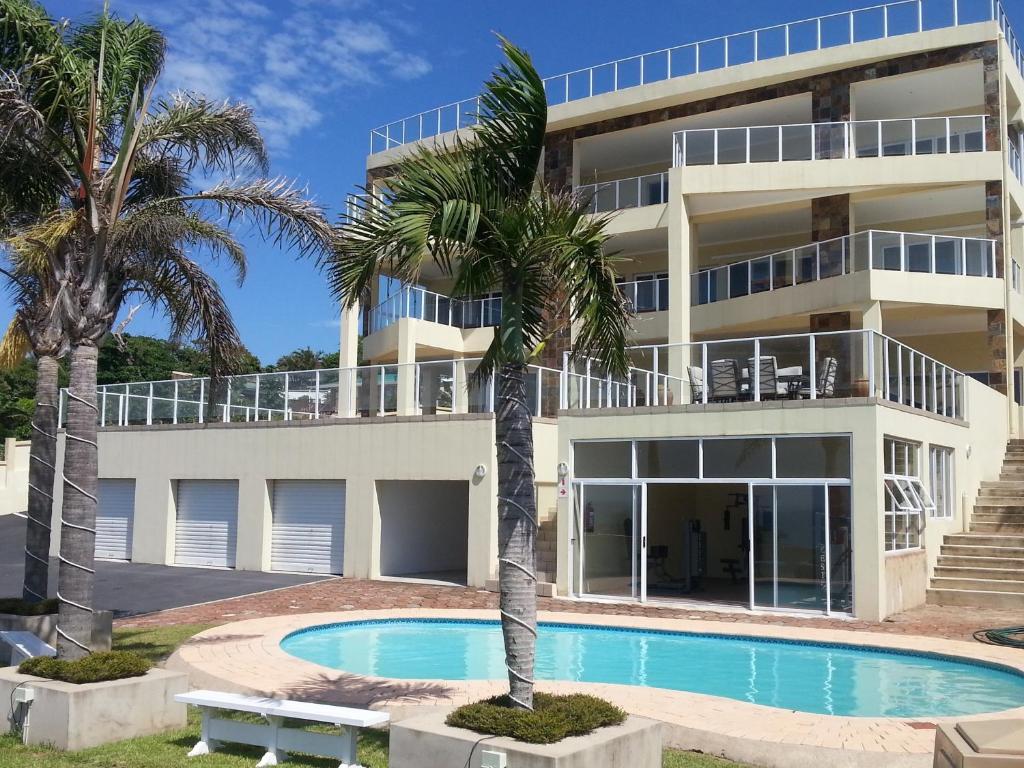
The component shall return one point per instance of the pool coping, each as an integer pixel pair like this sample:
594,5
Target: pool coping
246,656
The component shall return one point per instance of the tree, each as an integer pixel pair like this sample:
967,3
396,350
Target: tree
474,209
120,167
144,358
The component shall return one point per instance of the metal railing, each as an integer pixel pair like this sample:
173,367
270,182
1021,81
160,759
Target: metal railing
634,192
829,141
871,249
420,304
1013,156
646,295
1015,277
810,366
827,31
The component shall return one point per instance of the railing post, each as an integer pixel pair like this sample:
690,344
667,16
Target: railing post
704,373
817,262
899,372
757,370
871,363
949,137
587,387
657,369
564,383
103,405
880,151
903,252
931,255
780,143
920,15
851,28
748,145
812,377
787,39
885,21
149,406
202,399
956,13
256,399
287,398
715,147
696,54
819,33
316,399
227,403
726,51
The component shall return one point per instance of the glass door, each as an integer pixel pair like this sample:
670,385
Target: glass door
790,554
608,540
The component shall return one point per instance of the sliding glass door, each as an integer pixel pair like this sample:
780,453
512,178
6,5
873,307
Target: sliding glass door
607,540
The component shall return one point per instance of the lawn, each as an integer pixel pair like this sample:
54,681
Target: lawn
168,750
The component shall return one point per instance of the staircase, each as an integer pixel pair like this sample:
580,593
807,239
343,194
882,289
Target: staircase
985,567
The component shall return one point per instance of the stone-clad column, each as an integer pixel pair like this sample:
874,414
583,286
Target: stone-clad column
996,336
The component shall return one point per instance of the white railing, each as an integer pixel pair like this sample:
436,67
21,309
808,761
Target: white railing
871,249
829,141
420,304
1015,274
355,205
810,366
646,295
634,192
1015,162
843,28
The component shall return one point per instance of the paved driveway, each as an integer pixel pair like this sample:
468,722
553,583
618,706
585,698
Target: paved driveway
132,588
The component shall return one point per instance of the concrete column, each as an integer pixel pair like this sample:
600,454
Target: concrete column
155,520
998,350
869,578
682,260
252,550
461,393
348,359
482,557
362,529
871,317
406,367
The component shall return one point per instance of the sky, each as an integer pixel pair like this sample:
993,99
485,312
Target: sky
320,74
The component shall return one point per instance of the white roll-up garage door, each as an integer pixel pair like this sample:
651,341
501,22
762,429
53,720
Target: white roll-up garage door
115,513
207,525
309,526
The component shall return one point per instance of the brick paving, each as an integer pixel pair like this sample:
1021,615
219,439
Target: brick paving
952,623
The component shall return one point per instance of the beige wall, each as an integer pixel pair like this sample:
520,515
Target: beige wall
14,477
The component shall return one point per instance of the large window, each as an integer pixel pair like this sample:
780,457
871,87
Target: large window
906,500
943,487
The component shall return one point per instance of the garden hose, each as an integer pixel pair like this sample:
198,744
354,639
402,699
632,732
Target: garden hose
1011,637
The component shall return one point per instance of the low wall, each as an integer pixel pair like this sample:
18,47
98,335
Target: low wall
906,580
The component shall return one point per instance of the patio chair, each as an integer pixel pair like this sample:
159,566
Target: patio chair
696,383
768,378
725,380
827,370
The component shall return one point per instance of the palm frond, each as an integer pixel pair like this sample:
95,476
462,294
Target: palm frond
14,346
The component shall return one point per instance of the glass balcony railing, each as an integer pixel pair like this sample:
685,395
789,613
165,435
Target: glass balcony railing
634,192
872,249
646,295
421,304
1015,162
875,22
829,141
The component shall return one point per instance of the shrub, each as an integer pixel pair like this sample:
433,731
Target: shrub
19,607
553,717
94,668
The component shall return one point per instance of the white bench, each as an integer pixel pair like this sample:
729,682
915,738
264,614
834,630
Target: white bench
273,735
24,645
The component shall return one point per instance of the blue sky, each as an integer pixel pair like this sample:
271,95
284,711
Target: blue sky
322,73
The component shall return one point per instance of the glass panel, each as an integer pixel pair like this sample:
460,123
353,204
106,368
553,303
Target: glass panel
610,541
732,145
782,269
629,193
667,458
796,142
967,134
978,257
840,533
784,367
947,255
603,459
806,263
739,276
812,457
764,545
436,388
764,145
832,258
738,457
858,252
896,136
760,275
919,253
930,136
699,147
830,141
865,138
800,547
728,371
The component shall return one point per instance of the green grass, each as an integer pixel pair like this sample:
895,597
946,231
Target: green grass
168,750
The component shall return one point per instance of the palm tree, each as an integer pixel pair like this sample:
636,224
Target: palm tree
476,211
120,168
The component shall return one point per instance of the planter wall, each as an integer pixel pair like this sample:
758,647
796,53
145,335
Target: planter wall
67,716
45,628
426,742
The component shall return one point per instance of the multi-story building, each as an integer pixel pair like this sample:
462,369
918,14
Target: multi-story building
821,225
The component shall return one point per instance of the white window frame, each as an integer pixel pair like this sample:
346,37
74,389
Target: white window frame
905,498
942,469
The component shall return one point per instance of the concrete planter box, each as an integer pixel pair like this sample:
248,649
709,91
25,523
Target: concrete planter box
70,717
426,742
45,628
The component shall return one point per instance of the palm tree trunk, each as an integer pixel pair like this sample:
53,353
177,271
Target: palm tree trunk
42,458
78,512
517,532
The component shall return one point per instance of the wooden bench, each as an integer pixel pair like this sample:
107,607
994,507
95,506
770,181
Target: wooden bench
273,735
24,645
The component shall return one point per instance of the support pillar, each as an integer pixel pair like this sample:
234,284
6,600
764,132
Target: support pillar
407,367
348,359
682,261
997,349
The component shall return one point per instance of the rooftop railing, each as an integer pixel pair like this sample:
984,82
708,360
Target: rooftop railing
420,304
829,141
810,366
634,192
872,249
827,31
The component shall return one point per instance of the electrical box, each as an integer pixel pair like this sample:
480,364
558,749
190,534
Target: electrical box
491,759
23,695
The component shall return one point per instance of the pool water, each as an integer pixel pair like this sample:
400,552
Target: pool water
824,679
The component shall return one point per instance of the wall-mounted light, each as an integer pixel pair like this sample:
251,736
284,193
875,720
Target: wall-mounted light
968,451
563,469
480,472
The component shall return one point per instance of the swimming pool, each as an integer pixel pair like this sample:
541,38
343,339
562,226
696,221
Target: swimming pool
809,677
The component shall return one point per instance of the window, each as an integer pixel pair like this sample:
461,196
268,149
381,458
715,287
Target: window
943,488
604,459
906,500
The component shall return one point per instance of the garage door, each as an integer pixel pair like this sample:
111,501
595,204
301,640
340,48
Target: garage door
207,524
114,516
309,526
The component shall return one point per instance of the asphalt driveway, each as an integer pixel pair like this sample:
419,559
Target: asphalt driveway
129,589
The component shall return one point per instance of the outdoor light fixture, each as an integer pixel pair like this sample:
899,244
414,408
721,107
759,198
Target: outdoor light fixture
480,472
563,469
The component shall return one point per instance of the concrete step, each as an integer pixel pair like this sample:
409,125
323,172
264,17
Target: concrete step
978,585
943,571
976,598
967,550
981,561
985,540
1002,484
1001,492
986,504
981,526
984,515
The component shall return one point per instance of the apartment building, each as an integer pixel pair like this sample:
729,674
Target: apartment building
821,227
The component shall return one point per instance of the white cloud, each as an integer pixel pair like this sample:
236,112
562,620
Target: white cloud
284,57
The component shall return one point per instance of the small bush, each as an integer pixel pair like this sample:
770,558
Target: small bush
553,717
18,607
94,668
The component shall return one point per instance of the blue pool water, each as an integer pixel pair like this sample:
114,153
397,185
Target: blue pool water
826,679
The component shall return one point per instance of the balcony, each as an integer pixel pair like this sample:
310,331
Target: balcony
634,192
1016,166
900,137
420,304
646,294
872,249
810,366
782,40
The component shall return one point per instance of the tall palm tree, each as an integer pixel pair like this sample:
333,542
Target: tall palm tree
121,169
476,211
